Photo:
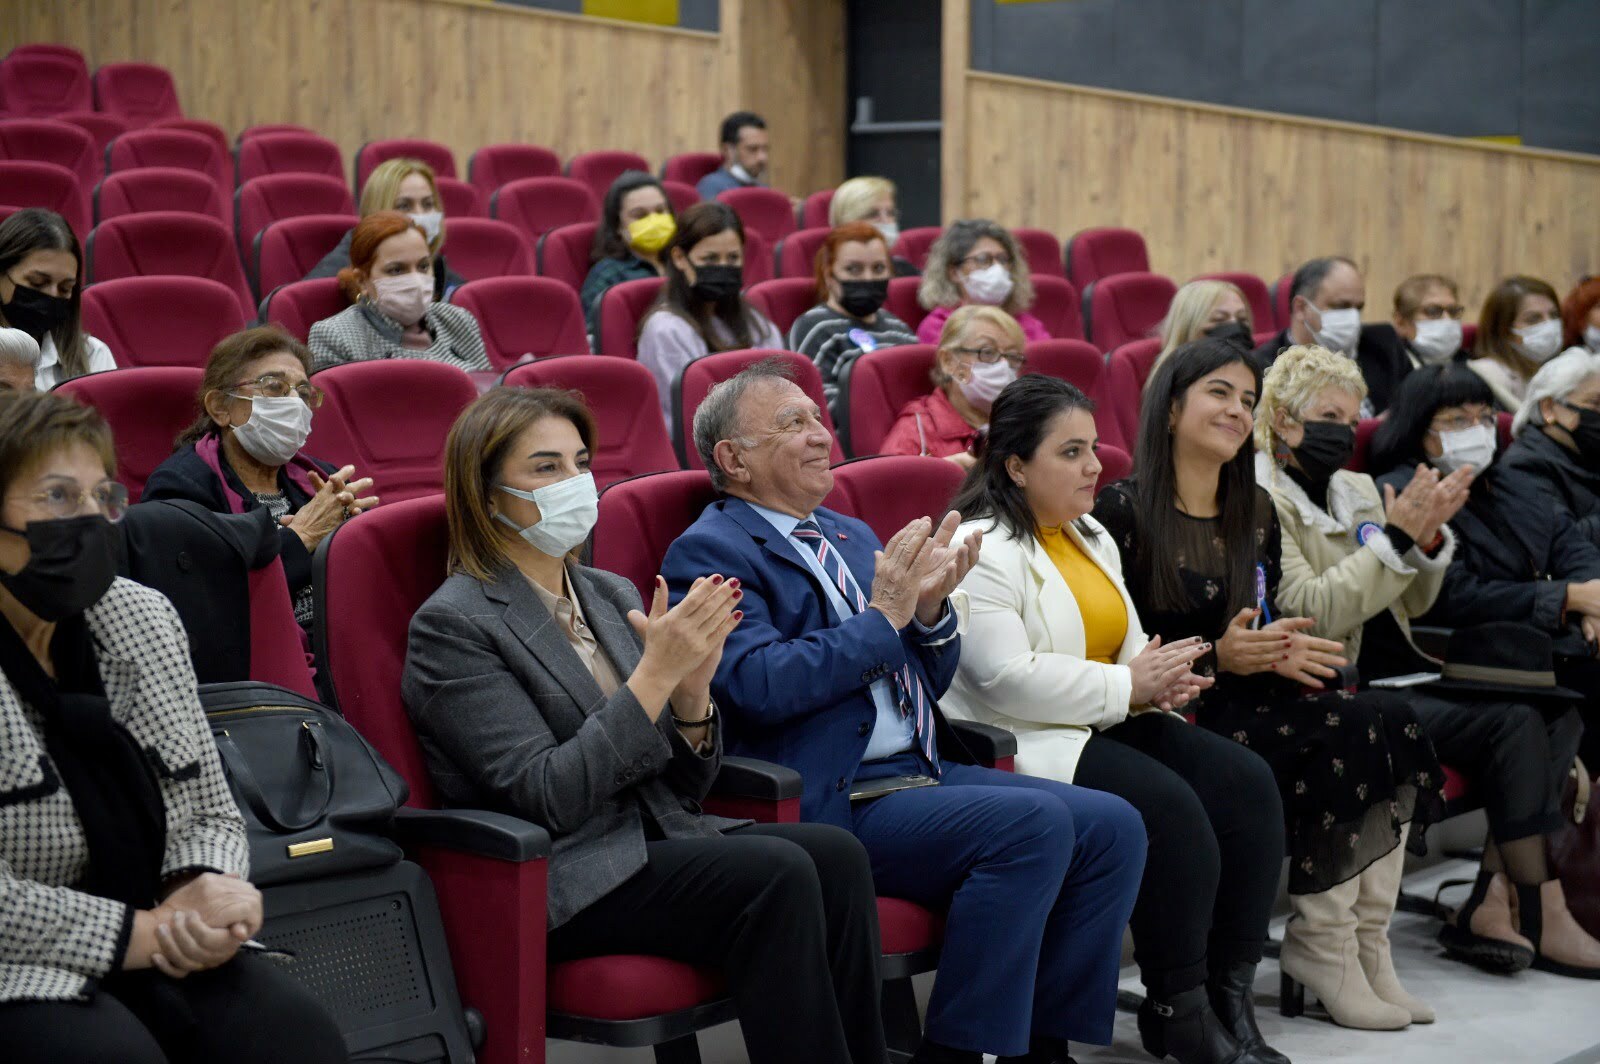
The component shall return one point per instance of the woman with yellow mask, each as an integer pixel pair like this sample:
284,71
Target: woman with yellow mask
636,223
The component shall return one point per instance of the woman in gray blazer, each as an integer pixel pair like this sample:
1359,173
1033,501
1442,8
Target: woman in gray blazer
538,687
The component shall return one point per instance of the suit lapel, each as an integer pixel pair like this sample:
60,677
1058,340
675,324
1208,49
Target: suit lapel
763,533
609,625
533,625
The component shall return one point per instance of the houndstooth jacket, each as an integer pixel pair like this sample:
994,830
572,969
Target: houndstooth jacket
361,333
54,941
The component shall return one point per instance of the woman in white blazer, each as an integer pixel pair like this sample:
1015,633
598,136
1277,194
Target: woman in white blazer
1055,654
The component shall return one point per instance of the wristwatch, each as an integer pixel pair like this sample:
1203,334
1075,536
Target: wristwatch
711,711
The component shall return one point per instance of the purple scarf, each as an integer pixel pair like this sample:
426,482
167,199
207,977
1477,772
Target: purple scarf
209,449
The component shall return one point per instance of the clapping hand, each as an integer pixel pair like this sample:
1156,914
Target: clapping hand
202,924
1162,675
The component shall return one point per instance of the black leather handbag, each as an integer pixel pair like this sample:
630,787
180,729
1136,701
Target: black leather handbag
317,799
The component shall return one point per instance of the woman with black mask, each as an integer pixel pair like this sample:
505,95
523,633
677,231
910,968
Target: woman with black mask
40,267
1556,449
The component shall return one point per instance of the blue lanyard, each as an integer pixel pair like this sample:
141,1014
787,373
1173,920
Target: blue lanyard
1261,597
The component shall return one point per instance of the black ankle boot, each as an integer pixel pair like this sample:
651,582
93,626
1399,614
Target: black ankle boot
1043,1051
1184,1028
1229,991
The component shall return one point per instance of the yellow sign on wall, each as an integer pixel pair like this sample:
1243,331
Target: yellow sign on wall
657,12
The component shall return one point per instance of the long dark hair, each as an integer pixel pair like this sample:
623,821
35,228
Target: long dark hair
1018,422
609,243
700,222
1424,392
1155,486
1496,336
36,229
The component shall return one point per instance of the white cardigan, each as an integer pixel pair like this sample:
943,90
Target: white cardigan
1022,657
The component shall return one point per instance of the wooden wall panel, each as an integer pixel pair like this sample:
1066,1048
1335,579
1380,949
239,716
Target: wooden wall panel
1217,188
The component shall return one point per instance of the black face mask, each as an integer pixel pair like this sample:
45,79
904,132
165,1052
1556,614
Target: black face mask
1325,448
861,299
71,563
716,283
1586,435
1234,332
35,312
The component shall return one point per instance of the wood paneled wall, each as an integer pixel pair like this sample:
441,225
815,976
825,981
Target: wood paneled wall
469,72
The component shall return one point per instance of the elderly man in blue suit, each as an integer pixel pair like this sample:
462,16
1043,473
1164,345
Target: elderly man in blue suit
845,647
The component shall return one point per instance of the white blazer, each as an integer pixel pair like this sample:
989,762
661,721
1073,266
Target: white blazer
1022,657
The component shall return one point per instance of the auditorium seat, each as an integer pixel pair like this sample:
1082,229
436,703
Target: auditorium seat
210,130
31,184
269,128
537,205
1125,306
260,201
618,392
1079,363
523,316
1096,253
690,167
161,321
814,209
1256,297
1115,464
146,407
166,242
680,195
39,84
60,51
1043,251
914,244
1282,297
178,148
460,200
563,253
494,165
599,169
758,257
797,252
159,188
1058,307
138,93
287,152
902,301
288,249
389,418
102,129
301,304
640,518
374,152
1126,373
697,378
888,492
45,140
1366,428
477,248
762,210
783,299
873,390
622,308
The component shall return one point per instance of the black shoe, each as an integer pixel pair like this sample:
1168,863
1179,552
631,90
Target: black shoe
1229,991
1184,1028
931,1052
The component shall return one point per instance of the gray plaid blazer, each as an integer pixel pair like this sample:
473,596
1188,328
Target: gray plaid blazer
362,332
54,940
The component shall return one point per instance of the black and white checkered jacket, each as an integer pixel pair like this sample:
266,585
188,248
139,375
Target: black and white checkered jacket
361,333
54,939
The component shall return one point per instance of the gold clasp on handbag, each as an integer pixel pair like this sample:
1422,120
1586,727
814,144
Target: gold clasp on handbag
306,849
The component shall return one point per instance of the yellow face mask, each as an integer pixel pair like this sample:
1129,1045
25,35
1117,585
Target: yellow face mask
648,235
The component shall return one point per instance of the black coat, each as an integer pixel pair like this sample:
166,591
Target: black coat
444,280
1558,476
1380,353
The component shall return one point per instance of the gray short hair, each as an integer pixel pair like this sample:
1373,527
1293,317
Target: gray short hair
717,418
1556,379
18,347
955,244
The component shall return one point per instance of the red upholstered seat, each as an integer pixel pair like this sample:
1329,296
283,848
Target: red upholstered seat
210,130
1366,428
904,926
180,148
146,408
1115,463
286,250
390,418
431,152
161,320
47,185
1256,296
522,316
102,128
690,167
287,152
784,299
277,654
914,244
902,301
537,205
301,304
1282,297
1456,785
814,209
477,248
599,169
640,518
457,199
874,388
623,397
622,308
890,491
797,252
1125,306
40,84
260,201
629,986
494,165
1043,251
1058,306
680,195
1128,369
46,140
266,128
698,377
1079,363
1096,253
138,93
563,253
60,51
160,188
763,210
158,242
757,258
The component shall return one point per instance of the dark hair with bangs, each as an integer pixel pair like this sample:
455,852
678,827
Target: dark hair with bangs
1424,392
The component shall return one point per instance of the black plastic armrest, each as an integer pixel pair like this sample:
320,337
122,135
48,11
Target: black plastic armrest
985,741
475,831
746,777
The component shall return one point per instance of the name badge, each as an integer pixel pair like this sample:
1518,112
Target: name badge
1366,530
863,339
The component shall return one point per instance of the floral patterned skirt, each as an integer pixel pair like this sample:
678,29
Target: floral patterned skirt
1352,768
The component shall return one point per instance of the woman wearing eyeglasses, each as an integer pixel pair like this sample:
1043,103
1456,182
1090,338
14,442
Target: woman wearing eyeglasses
980,352
976,261
244,451
1427,316
122,854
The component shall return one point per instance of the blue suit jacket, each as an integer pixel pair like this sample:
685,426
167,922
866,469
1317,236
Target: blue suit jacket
793,687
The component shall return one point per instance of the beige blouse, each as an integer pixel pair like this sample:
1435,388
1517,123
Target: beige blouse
569,615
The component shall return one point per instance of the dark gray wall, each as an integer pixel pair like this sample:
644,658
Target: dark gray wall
1528,68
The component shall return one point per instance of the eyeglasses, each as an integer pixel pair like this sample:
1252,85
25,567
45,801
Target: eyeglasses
277,386
1463,421
984,260
1437,311
62,501
989,355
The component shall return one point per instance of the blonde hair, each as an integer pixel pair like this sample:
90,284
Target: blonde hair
853,200
1300,374
1193,304
383,188
963,318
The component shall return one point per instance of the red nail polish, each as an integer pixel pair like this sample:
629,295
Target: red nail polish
734,582
738,615
717,579
737,595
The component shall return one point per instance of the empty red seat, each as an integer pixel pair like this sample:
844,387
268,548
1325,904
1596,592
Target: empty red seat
1125,306
757,258
477,248
1126,372
563,253
431,152
146,408
166,242
797,252
914,244
640,518
494,165
1282,297
40,84
259,202
161,321
1115,464
60,51
47,185
523,316
286,250
45,140
598,169
286,152
251,132
622,308
814,210
159,188
1043,251
762,210
621,395
680,195
890,491
102,128
902,301
301,304
1256,297
138,93
460,200
1096,253
178,148
875,388
537,205
1058,306
210,130
783,299
1079,363
698,378
689,167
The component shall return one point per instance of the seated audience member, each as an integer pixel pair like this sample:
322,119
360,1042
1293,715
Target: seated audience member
19,361
849,321
1427,316
1205,308
392,312
125,856
871,200
1363,564
636,224
1580,315
744,146
244,451
1556,449
1201,553
835,672
1328,295
1054,653
980,352
539,687
40,293
407,186
702,307
976,261
1519,329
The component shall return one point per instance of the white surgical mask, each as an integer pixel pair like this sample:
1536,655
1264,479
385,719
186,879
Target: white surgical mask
1437,339
1541,342
430,221
277,428
890,231
1340,329
404,298
1472,446
1591,338
741,174
567,513
986,381
991,285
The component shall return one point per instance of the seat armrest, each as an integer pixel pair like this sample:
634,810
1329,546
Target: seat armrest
1430,639
747,777
475,831
986,742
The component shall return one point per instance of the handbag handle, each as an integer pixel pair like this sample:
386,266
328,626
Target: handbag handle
1580,797
239,768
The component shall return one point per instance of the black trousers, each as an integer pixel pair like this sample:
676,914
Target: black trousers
1215,822
248,1011
1516,755
787,911
1583,675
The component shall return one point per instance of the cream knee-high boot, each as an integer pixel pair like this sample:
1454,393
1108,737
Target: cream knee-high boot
1320,952
1375,901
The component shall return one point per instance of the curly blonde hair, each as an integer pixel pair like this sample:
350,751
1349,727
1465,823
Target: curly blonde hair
1299,375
